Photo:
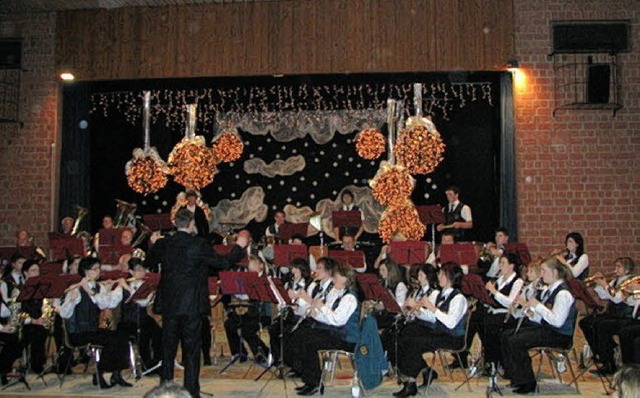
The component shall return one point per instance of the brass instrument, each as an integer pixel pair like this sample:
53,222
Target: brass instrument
142,234
81,213
17,317
124,211
623,286
49,314
591,281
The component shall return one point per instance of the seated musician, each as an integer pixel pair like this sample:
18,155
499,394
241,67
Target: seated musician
24,239
34,334
347,204
504,290
447,238
599,329
552,316
494,252
9,350
443,326
630,334
303,299
328,328
81,311
574,256
349,244
384,250
244,316
299,279
279,218
391,277
135,320
415,315
13,274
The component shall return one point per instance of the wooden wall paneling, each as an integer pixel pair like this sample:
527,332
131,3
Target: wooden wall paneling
447,35
470,28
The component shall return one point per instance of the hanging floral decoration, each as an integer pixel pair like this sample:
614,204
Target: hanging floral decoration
370,144
419,149
227,146
402,219
392,184
146,172
192,164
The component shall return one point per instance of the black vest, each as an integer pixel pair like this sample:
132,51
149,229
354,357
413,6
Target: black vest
458,330
506,290
454,216
85,315
569,323
621,309
585,274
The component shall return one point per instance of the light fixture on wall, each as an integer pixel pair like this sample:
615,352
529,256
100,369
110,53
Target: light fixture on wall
67,76
513,65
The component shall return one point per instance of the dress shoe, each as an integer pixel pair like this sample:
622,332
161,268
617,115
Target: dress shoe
100,380
425,376
526,388
409,390
300,388
116,378
309,390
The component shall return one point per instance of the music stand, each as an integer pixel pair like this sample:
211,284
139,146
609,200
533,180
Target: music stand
373,290
284,254
519,249
460,253
109,236
232,283
110,254
474,286
431,215
64,246
409,252
158,222
51,268
288,230
354,258
346,220
224,251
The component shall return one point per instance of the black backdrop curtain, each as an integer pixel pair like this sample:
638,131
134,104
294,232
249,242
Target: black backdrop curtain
471,130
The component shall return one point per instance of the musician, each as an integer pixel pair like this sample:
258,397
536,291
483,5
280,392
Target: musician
202,224
81,311
299,279
135,320
182,296
457,215
574,256
504,292
415,316
126,237
71,264
551,325
392,278
442,325
279,218
630,334
347,204
244,316
34,334
66,225
349,244
384,251
446,238
495,251
24,240
328,327
599,329
107,222
303,299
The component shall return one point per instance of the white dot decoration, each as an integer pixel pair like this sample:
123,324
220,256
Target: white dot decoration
326,175
288,200
274,207
339,156
434,186
248,182
348,140
284,148
294,151
346,173
294,189
334,145
159,211
269,139
355,180
282,182
334,193
316,160
358,165
246,143
302,178
306,144
231,164
335,164
312,196
259,148
321,152
164,202
251,156
237,176
373,163
144,202
277,156
298,204
314,183
428,180
426,196
219,189
156,197
233,195
350,159
269,186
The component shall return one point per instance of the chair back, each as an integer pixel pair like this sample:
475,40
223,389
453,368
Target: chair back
471,307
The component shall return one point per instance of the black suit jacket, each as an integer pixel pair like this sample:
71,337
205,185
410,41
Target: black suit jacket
202,224
186,263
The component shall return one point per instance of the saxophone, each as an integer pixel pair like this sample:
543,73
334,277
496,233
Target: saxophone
17,318
49,314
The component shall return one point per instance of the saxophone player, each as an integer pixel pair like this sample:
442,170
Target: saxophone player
81,311
34,333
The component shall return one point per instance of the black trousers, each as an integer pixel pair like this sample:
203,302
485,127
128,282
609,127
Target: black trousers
307,345
149,339
492,329
115,352
186,330
249,326
280,334
9,351
416,339
206,339
604,329
476,326
293,346
515,350
630,343
390,338
35,337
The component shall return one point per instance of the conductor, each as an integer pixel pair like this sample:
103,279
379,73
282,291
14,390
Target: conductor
182,296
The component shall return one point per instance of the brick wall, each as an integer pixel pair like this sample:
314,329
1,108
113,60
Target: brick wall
580,170
26,152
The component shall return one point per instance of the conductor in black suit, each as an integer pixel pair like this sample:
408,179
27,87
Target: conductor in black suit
182,296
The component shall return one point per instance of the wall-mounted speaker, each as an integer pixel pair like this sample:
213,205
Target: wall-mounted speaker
591,36
598,78
10,53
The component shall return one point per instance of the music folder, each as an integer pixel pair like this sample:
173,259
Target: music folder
224,250
237,282
64,246
355,258
348,219
109,236
150,284
212,285
408,252
287,230
431,214
519,249
373,290
460,253
473,285
281,290
284,254
59,283
110,254
51,268
263,290
29,289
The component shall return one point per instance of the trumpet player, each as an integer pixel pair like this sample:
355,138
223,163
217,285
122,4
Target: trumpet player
504,291
552,319
599,329
81,310
574,256
630,334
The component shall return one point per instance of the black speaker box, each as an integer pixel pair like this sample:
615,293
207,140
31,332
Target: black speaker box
10,53
598,77
591,36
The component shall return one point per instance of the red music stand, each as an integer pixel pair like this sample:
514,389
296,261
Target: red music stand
460,253
29,289
431,215
519,249
348,219
354,258
64,246
284,254
409,252
212,285
29,252
158,222
287,231
580,291
473,285
60,283
373,290
224,250
150,284
109,236
110,255
263,290
51,268
232,282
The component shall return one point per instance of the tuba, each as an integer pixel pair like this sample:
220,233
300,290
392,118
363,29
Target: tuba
81,213
123,212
